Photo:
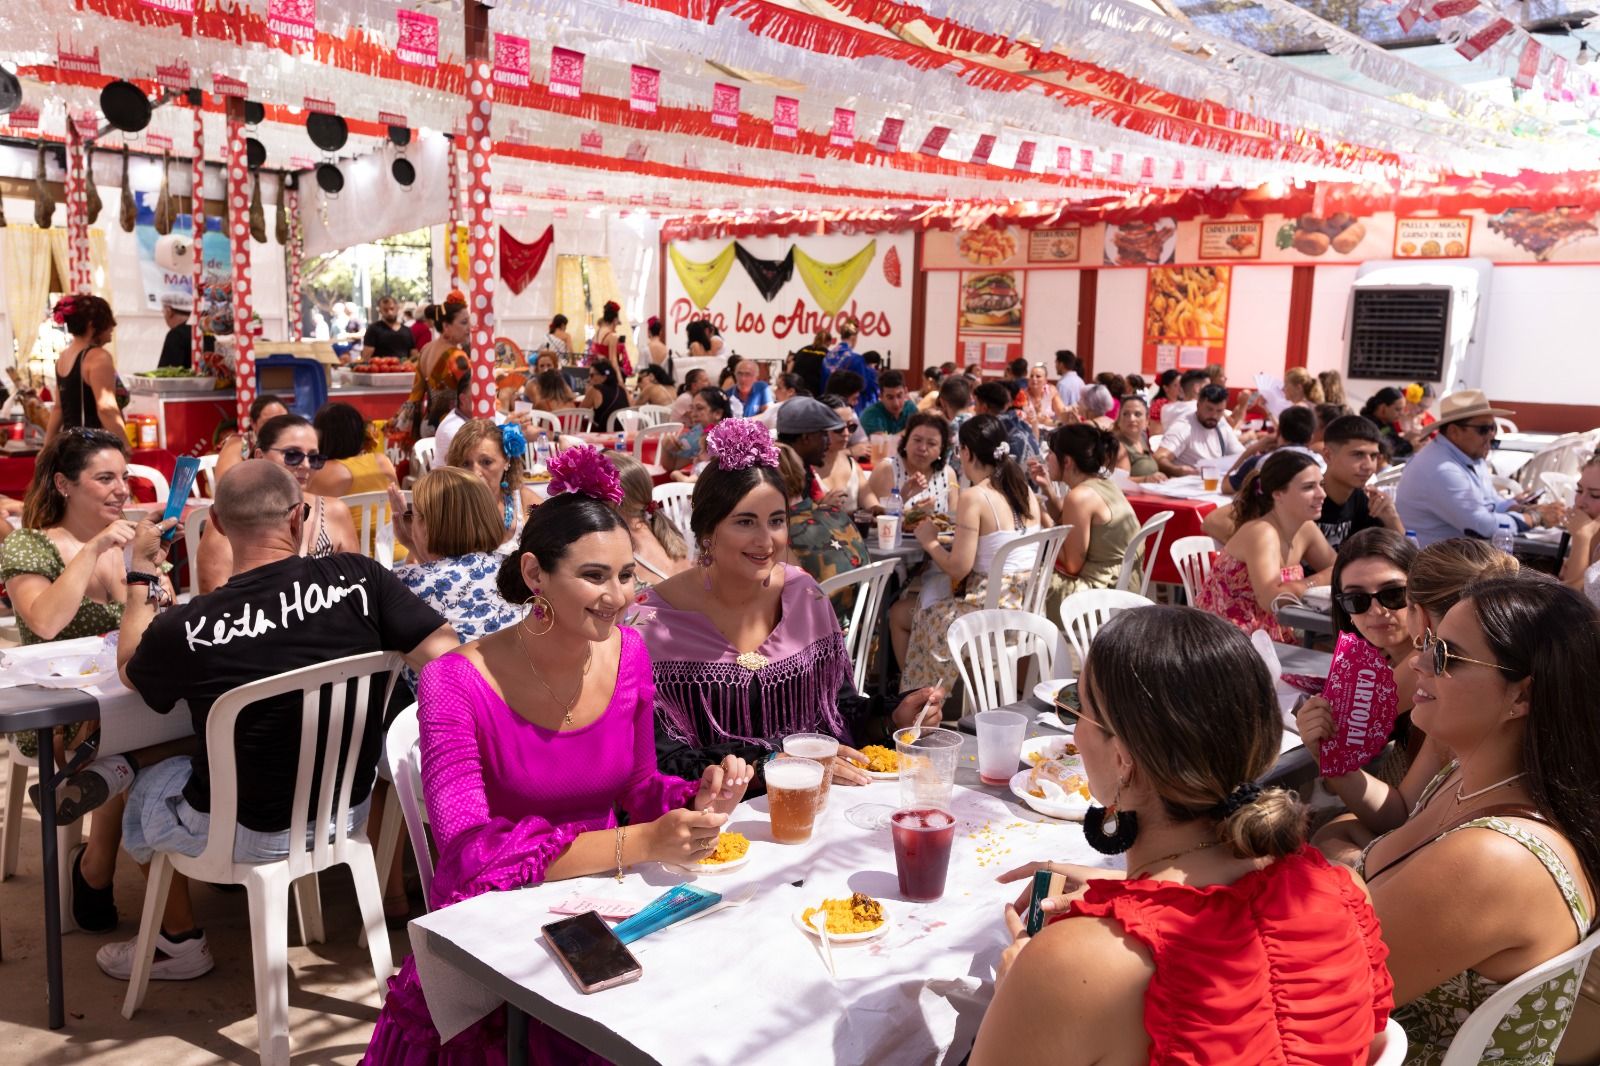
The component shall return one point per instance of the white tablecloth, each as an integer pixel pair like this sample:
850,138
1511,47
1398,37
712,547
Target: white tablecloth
912,996
1185,488
126,721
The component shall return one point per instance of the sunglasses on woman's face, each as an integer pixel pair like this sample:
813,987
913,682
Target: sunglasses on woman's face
296,456
1393,597
1437,655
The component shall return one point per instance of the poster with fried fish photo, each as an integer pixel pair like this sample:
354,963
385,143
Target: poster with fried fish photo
991,302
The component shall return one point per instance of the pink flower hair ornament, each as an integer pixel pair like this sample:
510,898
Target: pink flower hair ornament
736,443
64,307
584,469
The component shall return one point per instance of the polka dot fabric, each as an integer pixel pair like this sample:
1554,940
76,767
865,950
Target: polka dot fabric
244,368
197,211
78,269
481,235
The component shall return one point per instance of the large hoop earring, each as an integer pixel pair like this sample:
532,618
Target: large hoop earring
539,609
1109,831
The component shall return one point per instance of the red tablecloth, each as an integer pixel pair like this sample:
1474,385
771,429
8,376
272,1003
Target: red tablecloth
1185,522
17,471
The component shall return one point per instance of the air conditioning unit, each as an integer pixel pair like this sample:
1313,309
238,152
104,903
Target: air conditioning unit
1412,320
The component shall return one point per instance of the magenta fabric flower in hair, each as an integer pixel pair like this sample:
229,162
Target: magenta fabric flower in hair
585,469
736,443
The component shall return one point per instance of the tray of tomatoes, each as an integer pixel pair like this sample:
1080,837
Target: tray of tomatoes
383,370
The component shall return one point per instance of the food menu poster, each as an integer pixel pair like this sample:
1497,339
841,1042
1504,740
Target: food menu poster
1432,238
1186,317
1055,245
989,317
1230,240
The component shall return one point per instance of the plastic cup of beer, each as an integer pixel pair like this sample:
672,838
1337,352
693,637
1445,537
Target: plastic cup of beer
794,792
927,765
1000,736
1210,476
922,839
818,747
888,532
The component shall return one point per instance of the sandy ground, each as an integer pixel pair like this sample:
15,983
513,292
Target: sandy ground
333,1002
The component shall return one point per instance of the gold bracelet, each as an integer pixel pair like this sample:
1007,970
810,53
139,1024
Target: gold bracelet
622,833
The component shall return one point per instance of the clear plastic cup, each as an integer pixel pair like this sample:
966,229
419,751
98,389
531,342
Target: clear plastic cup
1000,736
794,789
818,747
922,839
928,760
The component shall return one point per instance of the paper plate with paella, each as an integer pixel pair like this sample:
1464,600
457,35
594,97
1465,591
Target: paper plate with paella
883,764
856,916
1054,783
732,852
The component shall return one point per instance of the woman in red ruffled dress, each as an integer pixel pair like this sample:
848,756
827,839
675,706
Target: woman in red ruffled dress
1227,939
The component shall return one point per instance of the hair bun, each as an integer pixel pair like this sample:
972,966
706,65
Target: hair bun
1262,823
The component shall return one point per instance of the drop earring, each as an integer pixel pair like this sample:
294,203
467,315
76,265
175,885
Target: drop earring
705,564
1109,831
539,610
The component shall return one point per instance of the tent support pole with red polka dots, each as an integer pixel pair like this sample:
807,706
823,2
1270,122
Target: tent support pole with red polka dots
452,248
238,213
197,234
480,214
80,276
295,253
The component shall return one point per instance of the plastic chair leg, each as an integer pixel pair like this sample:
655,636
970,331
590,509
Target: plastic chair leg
369,894
155,904
11,830
269,937
388,842
308,907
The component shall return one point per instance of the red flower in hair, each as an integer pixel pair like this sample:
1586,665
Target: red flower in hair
455,296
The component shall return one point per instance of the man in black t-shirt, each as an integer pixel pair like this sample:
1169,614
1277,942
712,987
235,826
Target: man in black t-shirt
178,347
279,611
1353,448
388,336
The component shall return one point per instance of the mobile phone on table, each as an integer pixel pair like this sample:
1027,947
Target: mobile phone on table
183,476
591,953
1046,883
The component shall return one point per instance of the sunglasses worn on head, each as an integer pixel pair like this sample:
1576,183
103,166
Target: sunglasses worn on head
296,456
1393,597
1437,655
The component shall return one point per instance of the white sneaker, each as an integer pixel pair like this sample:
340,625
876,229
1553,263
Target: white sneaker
180,961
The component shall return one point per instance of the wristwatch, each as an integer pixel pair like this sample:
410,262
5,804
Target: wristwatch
156,593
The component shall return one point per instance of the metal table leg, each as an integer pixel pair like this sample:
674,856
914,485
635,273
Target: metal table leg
516,1037
52,869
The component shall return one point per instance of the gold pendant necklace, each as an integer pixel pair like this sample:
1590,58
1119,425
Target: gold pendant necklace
1153,863
565,705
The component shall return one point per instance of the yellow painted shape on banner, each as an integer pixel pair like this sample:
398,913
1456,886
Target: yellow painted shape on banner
831,284
702,280
463,254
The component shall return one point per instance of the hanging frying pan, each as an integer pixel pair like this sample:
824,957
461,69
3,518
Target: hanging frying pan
255,152
10,92
329,178
403,171
399,136
328,132
125,106
253,113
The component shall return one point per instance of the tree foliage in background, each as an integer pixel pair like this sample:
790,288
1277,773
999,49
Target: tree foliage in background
404,270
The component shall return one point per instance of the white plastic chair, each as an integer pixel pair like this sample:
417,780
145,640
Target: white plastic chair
155,477
1564,455
1083,613
1505,425
869,582
543,421
1562,487
401,765
654,413
674,498
1389,1047
1193,557
370,510
1155,527
267,884
1047,542
205,479
661,432
574,419
1476,1032
423,455
1389,475
1505,486
67,836
194,526
987,646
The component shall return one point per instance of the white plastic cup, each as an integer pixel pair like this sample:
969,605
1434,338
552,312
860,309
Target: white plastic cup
888,532
1000,736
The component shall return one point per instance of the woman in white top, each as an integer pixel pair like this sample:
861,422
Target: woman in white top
996,510
919,471
557,340
843,483
1582,568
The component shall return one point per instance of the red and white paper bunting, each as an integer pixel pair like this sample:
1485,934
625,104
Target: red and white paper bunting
591,141
512,62
597,195
1086,160
1147,170
1063,159
71,62
934,142
843,132
1409,14
644,89
981,150
293,20
223,85
1200,172
566,73
1484,39
1116,164
419,39
661,199
555,192
171,7
238,223
176,77
86,122
323,107
785,116
1024,156
23,118
636,199
159,142
79,271
392,118
1528,65
725,105
1177,170
889,134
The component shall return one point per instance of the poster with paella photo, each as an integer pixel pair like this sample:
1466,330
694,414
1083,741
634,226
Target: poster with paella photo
1432,238
1186,310
991,302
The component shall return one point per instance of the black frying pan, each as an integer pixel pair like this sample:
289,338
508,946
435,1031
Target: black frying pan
329,178
10,92
399,136
328,132
253,113
125,106
256,152
403,171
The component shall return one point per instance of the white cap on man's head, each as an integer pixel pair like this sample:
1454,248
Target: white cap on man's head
177,301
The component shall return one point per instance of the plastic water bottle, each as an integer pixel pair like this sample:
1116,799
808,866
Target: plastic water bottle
1505,540
622,441
893,504
541,450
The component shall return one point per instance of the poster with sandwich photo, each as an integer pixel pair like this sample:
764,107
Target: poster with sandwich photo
991,302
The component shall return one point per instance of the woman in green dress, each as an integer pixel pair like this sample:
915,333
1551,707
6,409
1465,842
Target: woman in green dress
1102,521
1131,431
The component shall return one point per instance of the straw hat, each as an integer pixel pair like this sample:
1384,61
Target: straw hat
1464,404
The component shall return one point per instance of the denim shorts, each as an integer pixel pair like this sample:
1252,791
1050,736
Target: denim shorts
158,818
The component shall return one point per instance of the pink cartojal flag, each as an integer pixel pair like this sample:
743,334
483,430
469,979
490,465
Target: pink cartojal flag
644,89
1063,160
1116,164
566,73
843,133
985,145
889,134
223,85
78,62
23,118
1024,156
392,118
419,39
1361,691
293,20
176,77
1086,160
171,7
785,116
591,141
933,143
511,61
725,106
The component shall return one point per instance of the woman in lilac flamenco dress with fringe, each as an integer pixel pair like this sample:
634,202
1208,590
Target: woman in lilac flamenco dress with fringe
525,791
